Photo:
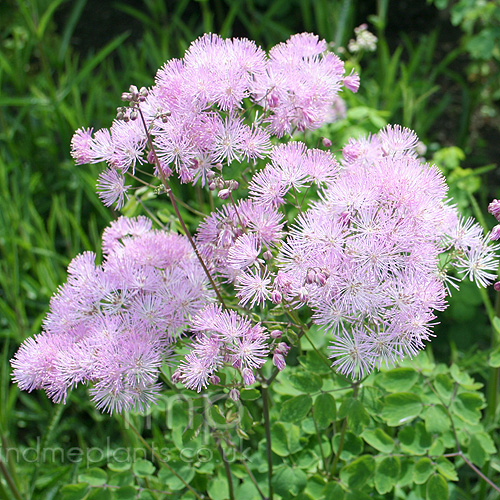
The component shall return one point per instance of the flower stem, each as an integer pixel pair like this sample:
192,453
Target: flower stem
267,426
228,471
177,212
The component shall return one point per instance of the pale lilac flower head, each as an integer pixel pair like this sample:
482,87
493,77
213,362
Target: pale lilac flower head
112,325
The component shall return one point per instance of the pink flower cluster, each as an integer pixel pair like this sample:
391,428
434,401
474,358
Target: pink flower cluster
195,110
366,246
113,324
223,337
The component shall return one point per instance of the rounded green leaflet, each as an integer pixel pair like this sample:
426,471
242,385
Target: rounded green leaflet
324,410
93,476
422,470
74,491
386,474
401,408
436,488
296,408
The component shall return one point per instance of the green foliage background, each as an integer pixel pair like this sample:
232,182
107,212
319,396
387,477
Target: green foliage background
63,64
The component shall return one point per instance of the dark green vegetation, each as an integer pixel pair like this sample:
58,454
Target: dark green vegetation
64,64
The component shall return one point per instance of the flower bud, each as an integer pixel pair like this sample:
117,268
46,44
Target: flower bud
496,286
279,361
303,294
224,194
214,379
311,276
282,348
495,233
327,143
234,394
248,376
176,377
276,334
267,255
276,297
494,209
212,186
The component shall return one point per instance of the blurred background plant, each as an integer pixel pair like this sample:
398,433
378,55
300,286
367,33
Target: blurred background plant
431,66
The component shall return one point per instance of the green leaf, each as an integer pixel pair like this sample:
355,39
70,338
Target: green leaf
422,470
398,380
289,482
415,439
143,468
285,439
437,488
314,363
467,406
494,358
436,419
332,491
119,466
352,448
357,417
476,452
249,394
357,473
218,489
296,409
386,474
125,493
464,379
307,383
185,470
74,491
444,386
401,407
446,468
378,439
100,494
93,476
324,410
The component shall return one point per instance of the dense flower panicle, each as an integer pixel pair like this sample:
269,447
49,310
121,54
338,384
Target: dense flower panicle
112,324
370,256
224,338
193,112
366,257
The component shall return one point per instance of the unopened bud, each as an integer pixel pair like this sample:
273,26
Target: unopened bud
267,255
214,379
210,175
311,276
224,194
234,394
327,143
233,185
496,286
248,376
212,186
276,334
320,279
276,297
134,115
282,348
218,166
176,377
303,294
279,361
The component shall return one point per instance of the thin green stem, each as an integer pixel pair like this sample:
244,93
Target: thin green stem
342,436
177,212
10,481
227,468
160,460
267,426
